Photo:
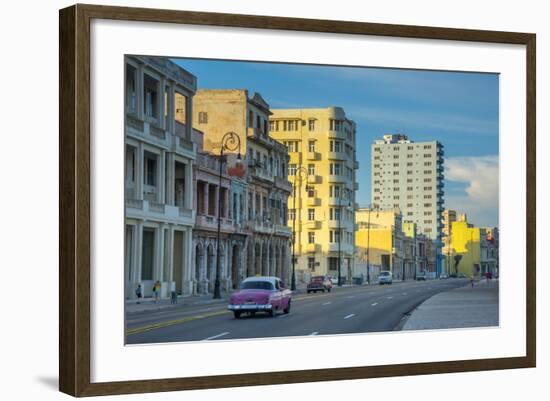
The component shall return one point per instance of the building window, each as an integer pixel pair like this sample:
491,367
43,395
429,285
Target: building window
131,77
203,117
150,96
427,171
311,125
332,263
311,169
427,205
311,214
311,146
376,165
427,188
427,163
396,173
291,214
251,119
292,125
311,237
396,156
311,263
427,146
291,169
427,155
427,196
310,189
409,205
410,147
427,180
409,172
150,166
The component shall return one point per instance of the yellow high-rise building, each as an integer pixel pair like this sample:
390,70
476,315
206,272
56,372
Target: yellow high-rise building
322,166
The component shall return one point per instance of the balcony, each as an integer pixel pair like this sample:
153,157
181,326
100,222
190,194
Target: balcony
144,209
282,230
337,134
337,178
356,165
313,156
313,201
355,186
311,248
283,183
313,224
337,156
314,179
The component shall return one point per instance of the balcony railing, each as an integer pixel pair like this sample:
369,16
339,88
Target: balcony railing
336,156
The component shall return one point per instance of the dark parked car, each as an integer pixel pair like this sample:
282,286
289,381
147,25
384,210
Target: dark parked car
319,283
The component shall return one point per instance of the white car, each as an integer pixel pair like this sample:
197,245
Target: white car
385,277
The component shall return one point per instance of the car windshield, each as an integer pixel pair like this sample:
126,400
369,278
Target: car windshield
384,273
317,278
257,285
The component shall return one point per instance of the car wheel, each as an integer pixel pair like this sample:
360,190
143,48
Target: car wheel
323,290
308,291
329,289
287,309
237,314
271,313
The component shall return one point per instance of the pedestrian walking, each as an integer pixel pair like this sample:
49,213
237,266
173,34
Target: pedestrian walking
472,281
139,293
173,294
156,290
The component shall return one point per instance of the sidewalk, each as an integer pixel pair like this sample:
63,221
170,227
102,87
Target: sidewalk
458,308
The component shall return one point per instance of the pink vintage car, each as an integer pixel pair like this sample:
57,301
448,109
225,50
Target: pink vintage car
266,294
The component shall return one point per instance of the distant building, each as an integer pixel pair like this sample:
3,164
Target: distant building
409,175
159,157
379,241
320,141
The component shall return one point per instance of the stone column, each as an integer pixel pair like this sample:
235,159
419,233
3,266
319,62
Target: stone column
170,200
139,171
139,92
170,262
170,126
189,185
206,196
137,251
162,109
162,177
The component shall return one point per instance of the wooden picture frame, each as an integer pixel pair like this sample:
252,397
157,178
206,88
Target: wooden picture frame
74,199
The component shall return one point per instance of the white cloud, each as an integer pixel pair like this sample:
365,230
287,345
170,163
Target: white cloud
480,199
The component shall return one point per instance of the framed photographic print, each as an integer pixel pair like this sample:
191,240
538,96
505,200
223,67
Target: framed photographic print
250,200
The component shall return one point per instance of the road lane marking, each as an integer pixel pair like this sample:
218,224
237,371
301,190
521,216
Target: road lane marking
390,297
404,293
161,325
350,315
351,296
327,303
374,304
217,336
314,333
285,315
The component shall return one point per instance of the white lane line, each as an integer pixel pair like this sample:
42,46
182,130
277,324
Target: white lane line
314,333
217,336
327,303
285,315
374,304
390,297
350,315
351,296
404,293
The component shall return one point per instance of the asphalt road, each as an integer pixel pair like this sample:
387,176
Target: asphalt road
344,310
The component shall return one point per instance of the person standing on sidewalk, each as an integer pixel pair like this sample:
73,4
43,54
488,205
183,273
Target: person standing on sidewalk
156,290
139,293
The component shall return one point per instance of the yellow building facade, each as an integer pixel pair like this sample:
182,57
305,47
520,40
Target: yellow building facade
465,253
322,169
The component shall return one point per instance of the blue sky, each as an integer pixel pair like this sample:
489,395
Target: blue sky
458,109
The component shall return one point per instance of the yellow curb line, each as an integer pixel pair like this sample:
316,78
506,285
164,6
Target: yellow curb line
160,325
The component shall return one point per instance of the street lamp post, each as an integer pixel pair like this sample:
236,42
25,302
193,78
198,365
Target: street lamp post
231,142
298,175
340,239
